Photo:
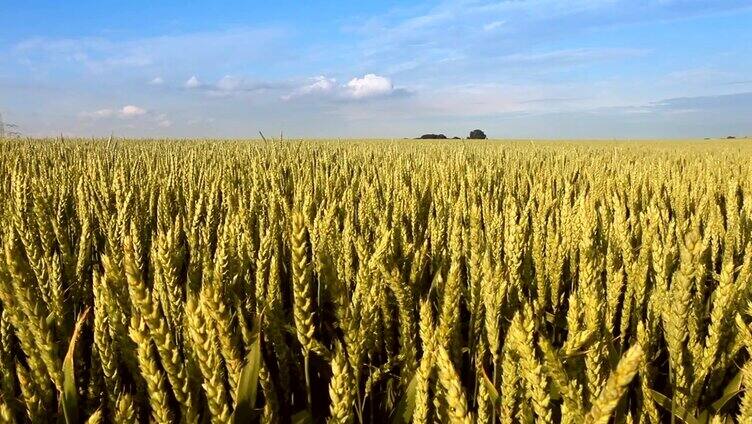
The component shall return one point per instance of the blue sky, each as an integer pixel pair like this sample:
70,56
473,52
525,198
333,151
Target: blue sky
517,69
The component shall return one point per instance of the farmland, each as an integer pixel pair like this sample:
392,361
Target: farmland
367,281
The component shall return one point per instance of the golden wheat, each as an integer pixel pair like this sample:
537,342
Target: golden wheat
375,281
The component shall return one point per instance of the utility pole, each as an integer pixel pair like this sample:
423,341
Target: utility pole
2,126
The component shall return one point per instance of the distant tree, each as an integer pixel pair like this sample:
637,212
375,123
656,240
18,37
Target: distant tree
477,135
433,137
8,130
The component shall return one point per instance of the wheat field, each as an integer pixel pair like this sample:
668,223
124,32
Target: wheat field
375,281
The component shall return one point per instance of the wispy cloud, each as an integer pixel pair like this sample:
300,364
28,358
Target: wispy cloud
572,56
168,52
473,29
737,102
162,121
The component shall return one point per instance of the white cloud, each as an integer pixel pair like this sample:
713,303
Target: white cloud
129,117
493,25
126,112
229,83
131,111
193,82
371,85
156,81
318,85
